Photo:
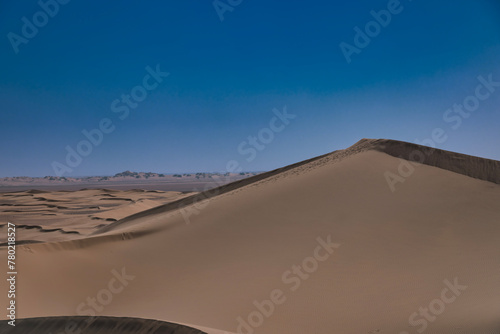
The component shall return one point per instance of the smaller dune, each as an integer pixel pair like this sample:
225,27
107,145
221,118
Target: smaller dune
95,325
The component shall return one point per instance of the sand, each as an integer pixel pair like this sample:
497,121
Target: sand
323,246
98,325
43,216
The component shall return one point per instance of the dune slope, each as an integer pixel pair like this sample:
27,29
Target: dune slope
98,325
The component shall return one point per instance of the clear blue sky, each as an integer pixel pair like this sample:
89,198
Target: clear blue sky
227,76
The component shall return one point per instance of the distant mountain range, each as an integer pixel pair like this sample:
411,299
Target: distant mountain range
126,176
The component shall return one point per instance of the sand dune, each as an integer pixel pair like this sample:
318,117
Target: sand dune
61,215
97,325
322,246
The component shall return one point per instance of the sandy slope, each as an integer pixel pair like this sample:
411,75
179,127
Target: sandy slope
97,325
392,253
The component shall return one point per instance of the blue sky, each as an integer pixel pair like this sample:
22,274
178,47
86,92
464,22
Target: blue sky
226,77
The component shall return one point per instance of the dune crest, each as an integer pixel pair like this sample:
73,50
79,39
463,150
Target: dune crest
476,167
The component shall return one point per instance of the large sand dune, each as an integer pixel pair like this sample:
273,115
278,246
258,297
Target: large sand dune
323,246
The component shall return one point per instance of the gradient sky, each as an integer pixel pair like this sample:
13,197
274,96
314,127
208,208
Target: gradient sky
227,76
